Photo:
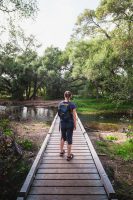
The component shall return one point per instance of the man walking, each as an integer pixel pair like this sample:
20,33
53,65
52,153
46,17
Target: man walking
67,114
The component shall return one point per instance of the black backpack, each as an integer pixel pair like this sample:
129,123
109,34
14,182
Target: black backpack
64,111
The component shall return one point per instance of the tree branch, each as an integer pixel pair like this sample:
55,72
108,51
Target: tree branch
4,9
106,34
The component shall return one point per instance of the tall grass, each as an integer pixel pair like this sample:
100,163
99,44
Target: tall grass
123,150
90,105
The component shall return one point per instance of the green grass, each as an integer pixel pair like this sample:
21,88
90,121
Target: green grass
89,105
123,150
26,144
102,146
111,137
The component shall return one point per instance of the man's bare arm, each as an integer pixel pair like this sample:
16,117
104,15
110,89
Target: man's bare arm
74,118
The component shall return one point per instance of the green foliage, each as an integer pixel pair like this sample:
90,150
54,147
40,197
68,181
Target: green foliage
22,168
22,7
97,61
131,140
124,150
111,137
27,144
20,66
8,132
4,124
101,146
103,55
5,127
129,134
89,105
101,143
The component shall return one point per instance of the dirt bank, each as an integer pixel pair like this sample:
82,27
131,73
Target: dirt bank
120,172
37,103
29,135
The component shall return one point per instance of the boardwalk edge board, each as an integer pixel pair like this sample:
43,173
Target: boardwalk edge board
26,186
106,182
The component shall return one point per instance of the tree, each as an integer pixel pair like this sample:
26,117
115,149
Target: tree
52,63
118,12
106,60
88,24
19,66
24,8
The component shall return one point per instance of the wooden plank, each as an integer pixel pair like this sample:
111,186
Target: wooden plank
107,184
66,166
57,128
75,135
54,144
67,171
67,190
74,139
74,142
73,147
77,131
68,176
67,197
77,156
74,151
67,183
64,161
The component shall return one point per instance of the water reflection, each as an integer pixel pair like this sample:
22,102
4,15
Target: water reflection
47,114
28,113
107,118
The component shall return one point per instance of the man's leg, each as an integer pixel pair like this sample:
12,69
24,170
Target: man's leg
69,146
69,141
61,144
62,141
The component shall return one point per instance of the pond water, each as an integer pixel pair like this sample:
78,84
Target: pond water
23,113
116,118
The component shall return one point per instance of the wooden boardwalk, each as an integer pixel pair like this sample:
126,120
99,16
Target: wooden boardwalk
53,178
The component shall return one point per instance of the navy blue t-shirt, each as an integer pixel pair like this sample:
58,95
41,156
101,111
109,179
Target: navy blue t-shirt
72,106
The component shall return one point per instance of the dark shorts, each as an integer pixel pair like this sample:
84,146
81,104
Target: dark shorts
67,132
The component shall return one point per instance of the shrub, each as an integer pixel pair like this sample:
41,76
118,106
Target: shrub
129,134
111,137
125,150
4,124
27,144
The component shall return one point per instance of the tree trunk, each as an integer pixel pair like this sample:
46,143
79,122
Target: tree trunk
34,89
97,92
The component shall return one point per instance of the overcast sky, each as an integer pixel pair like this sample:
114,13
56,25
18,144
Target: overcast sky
55,21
